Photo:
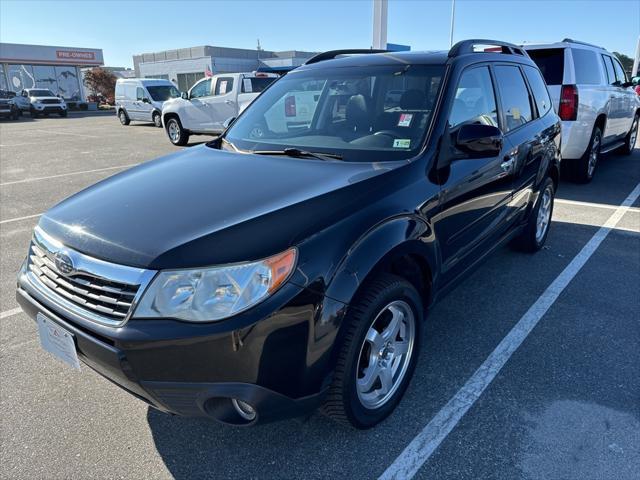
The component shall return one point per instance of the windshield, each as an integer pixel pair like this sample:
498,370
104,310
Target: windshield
364,114
162,93
41,93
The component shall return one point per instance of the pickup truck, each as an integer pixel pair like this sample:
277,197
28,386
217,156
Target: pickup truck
212,101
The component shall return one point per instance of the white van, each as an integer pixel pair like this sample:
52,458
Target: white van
142,99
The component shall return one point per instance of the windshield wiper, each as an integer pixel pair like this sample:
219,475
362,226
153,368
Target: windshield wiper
297,153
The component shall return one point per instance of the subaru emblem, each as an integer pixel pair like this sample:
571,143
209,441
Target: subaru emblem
64,264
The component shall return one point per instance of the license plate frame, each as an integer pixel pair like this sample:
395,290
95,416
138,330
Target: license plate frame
58,341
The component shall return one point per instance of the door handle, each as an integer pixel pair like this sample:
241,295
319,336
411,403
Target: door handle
228,102
507,163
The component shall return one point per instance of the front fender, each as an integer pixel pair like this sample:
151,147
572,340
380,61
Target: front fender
395,237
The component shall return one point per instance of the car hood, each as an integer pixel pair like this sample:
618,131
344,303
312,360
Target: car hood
203,206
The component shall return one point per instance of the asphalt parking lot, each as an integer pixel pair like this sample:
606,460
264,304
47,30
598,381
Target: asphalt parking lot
565,403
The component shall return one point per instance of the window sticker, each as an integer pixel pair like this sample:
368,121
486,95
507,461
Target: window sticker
223,87
401,143
515,113
405,119
248,88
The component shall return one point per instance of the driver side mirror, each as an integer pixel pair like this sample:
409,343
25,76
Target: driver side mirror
145,100
479,141
227,123
184,95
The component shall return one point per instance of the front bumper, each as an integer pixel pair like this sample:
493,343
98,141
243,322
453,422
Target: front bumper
48,107
197,369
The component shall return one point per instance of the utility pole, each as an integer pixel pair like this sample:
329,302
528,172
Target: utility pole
380,24
453,16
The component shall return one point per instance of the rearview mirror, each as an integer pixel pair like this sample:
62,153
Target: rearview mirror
184,95
478,141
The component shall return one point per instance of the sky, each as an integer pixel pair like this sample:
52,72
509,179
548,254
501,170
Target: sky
124,28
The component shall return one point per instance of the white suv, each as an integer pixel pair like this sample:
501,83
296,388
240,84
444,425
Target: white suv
591,94
41,101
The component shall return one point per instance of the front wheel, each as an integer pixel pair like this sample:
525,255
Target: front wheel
177,134
378,354
63,113
123,117
535,233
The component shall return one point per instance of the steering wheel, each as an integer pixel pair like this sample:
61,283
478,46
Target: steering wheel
388,133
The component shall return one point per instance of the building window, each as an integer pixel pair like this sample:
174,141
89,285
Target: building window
186,80
45,77
68,83
20,77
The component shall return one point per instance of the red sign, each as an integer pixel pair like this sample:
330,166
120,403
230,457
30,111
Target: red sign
75,55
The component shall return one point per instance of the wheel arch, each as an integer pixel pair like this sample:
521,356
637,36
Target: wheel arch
403,246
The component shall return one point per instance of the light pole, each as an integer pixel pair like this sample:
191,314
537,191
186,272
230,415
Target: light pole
636,61
380,24
453,16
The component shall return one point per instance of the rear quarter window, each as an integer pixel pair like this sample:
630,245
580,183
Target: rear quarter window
585,63
550,61
539,89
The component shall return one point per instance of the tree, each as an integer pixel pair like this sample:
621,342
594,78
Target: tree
100,82
627,62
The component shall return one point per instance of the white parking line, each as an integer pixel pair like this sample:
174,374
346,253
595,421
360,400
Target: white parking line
17,219
10,313
58,132
429,439
35,179
592,205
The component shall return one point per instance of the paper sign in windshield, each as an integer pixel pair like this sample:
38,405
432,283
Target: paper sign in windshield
405,119
401,143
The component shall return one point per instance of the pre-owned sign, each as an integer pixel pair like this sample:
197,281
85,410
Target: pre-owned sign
75,55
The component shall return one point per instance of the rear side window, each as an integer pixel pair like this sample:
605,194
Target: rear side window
550,61
540,92
585,63
608,66
620,75
224,85
514,96
475,100
255,84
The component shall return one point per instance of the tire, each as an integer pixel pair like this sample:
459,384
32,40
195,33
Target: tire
123,117
632,136
63,113
583,169
176,133
33,112
16,114
536,231
357,395
157,120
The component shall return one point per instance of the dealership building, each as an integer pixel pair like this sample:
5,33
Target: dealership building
185,66
55,68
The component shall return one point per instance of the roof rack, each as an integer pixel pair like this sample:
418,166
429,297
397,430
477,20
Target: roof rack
570,40
466,46
331,54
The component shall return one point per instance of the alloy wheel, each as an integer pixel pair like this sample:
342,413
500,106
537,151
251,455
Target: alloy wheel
385,354
174,131
544,214
593,155
634,133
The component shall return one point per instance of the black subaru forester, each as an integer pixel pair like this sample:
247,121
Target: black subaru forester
288,265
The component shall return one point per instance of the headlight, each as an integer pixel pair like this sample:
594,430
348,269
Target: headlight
211,294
